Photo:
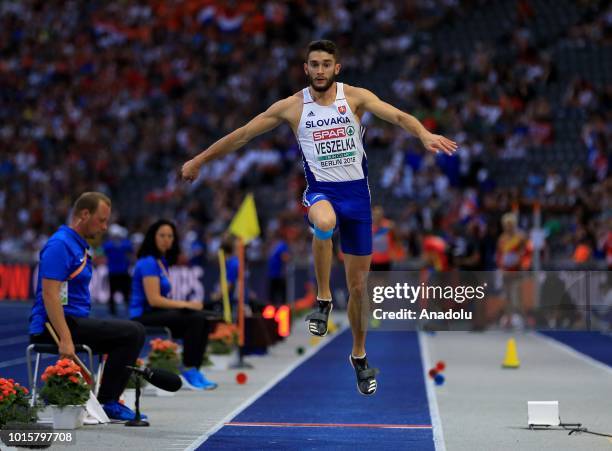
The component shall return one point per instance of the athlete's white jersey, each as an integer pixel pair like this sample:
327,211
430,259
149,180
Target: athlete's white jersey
330,138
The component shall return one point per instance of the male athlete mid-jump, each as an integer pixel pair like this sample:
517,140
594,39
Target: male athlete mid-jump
326,119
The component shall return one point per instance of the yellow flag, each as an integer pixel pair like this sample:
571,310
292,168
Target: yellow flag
245,224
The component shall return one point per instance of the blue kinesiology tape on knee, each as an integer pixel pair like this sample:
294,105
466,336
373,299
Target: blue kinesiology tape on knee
323,234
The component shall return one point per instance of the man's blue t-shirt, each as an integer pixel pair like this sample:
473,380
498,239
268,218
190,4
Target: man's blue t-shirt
145,267
117,255
61,256
275,262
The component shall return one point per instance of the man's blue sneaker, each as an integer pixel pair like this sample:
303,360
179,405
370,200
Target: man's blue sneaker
208,385
117,411
196,381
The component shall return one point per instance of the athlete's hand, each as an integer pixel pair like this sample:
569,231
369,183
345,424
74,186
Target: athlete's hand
66,350
190,171
437,143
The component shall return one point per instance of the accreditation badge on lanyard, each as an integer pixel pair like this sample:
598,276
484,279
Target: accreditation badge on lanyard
64,285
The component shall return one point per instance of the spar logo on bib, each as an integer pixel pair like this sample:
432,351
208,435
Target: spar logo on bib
330,133
342,109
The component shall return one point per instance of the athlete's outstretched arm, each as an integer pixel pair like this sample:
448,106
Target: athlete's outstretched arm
370,102
263,122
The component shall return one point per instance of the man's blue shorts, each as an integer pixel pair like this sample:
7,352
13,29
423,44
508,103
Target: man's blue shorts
352,205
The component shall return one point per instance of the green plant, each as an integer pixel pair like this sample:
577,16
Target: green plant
64,384
223,340
164,355
220,347
14,405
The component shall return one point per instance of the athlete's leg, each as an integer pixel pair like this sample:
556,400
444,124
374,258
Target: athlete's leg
355,224
356,269
322,216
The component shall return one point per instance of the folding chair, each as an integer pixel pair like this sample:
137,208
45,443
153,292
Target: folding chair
44,348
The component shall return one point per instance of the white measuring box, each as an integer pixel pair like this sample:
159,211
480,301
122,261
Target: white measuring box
543,413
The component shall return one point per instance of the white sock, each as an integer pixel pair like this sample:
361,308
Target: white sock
358,358
323,300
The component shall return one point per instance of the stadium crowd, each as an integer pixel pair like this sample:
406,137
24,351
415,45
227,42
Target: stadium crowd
102,95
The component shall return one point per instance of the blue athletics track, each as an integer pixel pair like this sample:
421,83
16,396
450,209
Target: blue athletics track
317,406
14,339
597,345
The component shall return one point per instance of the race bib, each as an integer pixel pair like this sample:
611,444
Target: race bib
64,293
335,147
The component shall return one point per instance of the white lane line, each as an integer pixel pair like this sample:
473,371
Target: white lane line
309,353
432,400
573,352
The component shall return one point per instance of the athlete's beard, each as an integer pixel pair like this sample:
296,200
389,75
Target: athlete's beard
323,88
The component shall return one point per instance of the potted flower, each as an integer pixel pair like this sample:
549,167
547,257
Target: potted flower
14,403
67,392
129,394
164,355
16,414
221,350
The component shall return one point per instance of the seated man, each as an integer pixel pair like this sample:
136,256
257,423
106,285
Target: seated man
63,299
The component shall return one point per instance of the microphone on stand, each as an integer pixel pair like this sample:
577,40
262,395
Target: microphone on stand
160,378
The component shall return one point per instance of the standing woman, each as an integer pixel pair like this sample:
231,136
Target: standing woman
151,306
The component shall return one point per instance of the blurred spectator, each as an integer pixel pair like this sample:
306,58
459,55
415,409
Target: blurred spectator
277,269
118,251
385,248
511,247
